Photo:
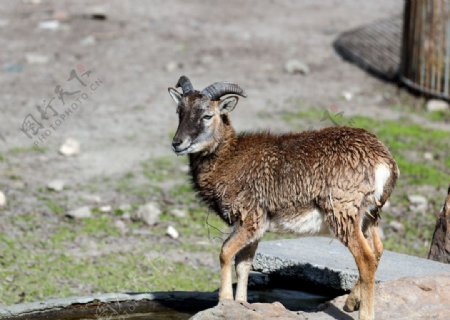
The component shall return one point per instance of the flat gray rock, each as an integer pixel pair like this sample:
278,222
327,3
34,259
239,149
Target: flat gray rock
326,263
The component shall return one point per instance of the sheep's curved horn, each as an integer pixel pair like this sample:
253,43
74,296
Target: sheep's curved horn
219,89
185,84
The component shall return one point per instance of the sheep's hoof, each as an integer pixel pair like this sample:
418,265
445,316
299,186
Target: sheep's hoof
351,304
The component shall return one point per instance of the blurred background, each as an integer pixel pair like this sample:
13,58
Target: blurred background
91,197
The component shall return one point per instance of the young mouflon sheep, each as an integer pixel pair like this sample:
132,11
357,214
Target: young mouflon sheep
335,179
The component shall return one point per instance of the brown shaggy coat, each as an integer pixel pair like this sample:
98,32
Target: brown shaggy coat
282,176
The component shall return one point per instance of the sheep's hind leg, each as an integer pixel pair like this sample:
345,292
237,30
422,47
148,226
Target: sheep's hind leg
354,298
243,264
367,263
235,242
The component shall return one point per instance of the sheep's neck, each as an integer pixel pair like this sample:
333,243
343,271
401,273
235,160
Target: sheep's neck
202,166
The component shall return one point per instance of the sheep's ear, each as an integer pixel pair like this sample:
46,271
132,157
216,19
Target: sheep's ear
227,105
176,96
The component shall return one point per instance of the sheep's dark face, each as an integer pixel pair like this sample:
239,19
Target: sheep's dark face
200,126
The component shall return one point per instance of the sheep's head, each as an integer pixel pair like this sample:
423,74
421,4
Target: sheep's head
201,115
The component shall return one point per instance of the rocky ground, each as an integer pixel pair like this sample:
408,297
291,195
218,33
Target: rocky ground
407,298
96,201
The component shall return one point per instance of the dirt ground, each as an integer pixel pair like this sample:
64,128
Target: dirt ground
120,112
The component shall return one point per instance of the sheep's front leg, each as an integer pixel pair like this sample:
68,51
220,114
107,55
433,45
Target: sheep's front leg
235,242
243,264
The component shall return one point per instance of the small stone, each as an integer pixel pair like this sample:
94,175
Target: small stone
418,203
80,213
428,156
172,232
56,185
149,213
296,66
60,15
437,105
13,67
49,25
387,205
92,198
70,147
4,23
267,67
105,209
88,41
2,199
96,13
35,58
121,226
397,226
178,213
207,60
347,95
184,168
173,65
125,207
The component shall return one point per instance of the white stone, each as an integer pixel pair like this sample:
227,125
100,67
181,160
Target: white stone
56,185
125,207
88,41
397,226
418,203
437,105
417,200
121,226
172,232
105,209
207,60
4,23
428,156
2,199
179,213
80,213
184,168
294,66
149,213
92,198
173,65
36,58
49,25
347,95
70,147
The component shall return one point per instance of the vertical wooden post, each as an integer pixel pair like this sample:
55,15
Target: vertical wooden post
425,55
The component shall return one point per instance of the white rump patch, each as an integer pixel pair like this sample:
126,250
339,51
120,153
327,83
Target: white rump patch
382,174
309,223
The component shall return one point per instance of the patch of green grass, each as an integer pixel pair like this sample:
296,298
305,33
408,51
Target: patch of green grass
130,184
442,116
62,235
99,226
27,274
183,194
54,207
21,150
157,170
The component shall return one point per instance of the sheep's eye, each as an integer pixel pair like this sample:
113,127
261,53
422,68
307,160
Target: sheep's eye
207,117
